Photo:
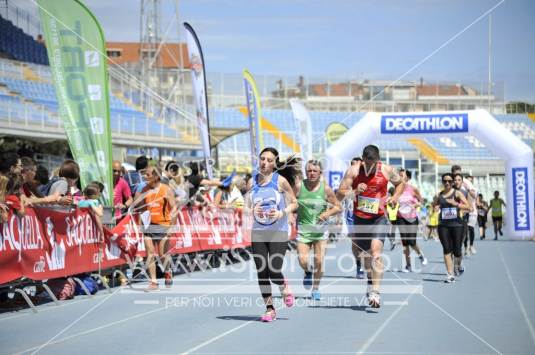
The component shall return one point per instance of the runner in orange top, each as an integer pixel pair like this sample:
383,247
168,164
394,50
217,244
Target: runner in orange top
159,202
367,183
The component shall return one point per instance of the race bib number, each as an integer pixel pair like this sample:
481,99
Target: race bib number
482,213
449,213
405,210
368,204
261,213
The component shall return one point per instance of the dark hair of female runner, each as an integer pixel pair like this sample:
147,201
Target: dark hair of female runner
290,168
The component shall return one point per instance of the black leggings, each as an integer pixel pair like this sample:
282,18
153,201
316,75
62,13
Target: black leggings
451,239
408,231
468,233
269,249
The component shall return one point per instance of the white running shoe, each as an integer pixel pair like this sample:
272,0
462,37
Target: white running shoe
423,260
473,250
449,279
374,299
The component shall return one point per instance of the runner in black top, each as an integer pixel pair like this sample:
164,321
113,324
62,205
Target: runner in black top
450,227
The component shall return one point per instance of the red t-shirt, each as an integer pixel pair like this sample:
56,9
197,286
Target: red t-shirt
121,193
371,202
13,202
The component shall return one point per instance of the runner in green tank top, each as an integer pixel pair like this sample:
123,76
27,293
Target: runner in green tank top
314,198
497,214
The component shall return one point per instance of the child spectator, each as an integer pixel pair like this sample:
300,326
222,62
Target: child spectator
14,201
91,200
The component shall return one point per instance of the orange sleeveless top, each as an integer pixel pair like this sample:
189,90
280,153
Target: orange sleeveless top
160,211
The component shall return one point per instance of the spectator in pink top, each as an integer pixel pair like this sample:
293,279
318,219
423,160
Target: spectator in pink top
122,197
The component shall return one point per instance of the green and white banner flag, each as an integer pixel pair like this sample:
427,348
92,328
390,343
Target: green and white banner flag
76,51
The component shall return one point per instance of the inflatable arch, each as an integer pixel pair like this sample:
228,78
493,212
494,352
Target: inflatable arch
479,123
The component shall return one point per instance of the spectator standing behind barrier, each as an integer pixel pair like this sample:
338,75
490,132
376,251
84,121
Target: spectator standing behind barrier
135,179
14,200
41,177
30,186
170,171
90,200
236,196
241,184
122,196
222,197
9,163
196,180
65,185
178,184
28,171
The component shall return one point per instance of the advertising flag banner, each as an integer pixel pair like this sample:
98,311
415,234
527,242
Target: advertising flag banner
76,52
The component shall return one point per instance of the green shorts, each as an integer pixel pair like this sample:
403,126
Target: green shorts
308,238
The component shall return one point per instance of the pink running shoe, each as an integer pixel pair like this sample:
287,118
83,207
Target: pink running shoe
287,295
269,316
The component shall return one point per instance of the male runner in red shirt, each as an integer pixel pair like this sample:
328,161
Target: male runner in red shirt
367,182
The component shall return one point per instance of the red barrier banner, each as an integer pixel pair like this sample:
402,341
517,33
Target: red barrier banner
47,244
185,240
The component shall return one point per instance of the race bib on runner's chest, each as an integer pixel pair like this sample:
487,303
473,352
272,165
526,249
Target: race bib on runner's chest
368,204
449,213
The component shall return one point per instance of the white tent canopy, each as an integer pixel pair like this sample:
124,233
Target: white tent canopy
479,123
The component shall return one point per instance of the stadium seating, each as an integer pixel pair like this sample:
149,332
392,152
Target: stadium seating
19,45
35,101
24,99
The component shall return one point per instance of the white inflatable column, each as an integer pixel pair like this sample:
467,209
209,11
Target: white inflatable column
518,175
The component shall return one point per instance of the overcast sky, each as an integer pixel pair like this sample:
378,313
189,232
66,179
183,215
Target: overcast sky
344,39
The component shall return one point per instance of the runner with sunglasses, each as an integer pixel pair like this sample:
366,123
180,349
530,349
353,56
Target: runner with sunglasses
450,226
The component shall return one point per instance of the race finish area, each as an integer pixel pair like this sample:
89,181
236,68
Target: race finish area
487,310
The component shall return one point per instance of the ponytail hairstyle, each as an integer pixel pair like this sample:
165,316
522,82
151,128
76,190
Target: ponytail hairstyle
290,168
